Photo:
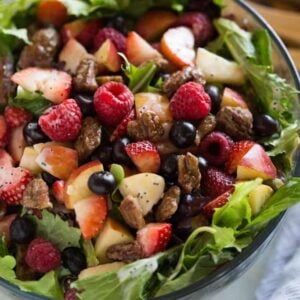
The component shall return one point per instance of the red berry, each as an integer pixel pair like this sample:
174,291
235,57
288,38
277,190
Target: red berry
70,294
3,132
113,101
215,182
190,102
62,122
58,190
110,33
86,36
42,256
215,148
16,117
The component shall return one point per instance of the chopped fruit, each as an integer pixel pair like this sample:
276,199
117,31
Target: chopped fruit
3,132
5,223
76,187
72,29
5,159
138,50
144,155
107,57
71,55
58,190
90,214
220,201
110,33
113,101
62,122
177,45
112,233
148,188
16,143
154,237
87,34
218,69
53,84
16,117
233,98
256,163
121,129
52,12
258,197
28,160
58,161
110,267
190,102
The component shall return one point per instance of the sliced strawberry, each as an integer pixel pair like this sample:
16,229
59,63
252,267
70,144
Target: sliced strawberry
5,226
144,155
121,129
53,84
5,159
16,143
87,34
154,237
15,116
90,215
138,50
58,190
3,132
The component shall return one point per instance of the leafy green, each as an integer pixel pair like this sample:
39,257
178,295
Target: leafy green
263,47
21,34
76,7
90,253
119,174
3,246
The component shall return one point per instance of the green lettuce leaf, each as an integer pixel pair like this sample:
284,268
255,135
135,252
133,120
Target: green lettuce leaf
89,251
20,34
119,174
263,47
3,246
77,7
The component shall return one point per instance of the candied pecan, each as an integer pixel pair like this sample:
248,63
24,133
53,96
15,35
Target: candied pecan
132,212
147,127
7,87
168,205
237,122
36,195
159,61
89,138
189,175
177,79
126,252
206,126
103,79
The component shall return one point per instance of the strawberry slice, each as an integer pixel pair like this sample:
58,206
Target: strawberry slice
58,190
144,155
16,143
3,132
90,215
5,159
121,129
154,237
53,84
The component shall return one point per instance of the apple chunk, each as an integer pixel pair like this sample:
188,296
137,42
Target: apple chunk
233,99
258,197
28,160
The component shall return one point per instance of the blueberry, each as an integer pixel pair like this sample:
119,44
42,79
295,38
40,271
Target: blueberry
74,260
102,183
214,93
48,178
182,134
86,104
190,205
119,154
104,154
33,134
22,231
265,125
119,23
169,168
203,165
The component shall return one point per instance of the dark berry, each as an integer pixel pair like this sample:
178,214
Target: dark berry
190,205
102,183
265,125
48,178
74,260
85,103
119,154
104,154
214,93
120,23
169,168
33,134
22,231
182,134
203,165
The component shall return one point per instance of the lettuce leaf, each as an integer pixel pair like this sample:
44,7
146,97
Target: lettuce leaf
89,251
3,246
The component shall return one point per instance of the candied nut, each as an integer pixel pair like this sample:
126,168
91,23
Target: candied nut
132,212
168,205
147,127
126,252
206,126
104,79
159,61
237,122
89,138
7,87
36,195
189,175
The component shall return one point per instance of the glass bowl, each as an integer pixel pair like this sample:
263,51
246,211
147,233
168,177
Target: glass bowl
226,274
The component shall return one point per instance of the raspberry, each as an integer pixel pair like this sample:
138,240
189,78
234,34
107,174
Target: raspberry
62,122
42,256
16,117
113,101
190,102
216,147
71,294
110,33
214,182
86,36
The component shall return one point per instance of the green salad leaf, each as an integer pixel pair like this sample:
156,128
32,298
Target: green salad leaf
90,254
20,34
3,246
263,47
119,175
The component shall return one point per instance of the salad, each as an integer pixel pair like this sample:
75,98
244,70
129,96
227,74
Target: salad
142,144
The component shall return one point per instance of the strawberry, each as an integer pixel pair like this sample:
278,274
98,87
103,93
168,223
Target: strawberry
238,150
58,189
86,36
3,132
5,159
53,84
90,215
154,237
16,143
114,35
62,122
144,155
15,116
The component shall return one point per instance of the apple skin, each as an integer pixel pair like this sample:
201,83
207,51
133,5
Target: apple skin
232,98
28,160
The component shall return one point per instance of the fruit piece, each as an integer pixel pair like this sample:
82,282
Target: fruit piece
102,183
107,57
16,143
3,132
33,134
88,32
100,269
72,29
104,154
58,161
28,160
85,102
74,260
258,197
5,223
144,155
154,237
232,98
62,122
190,205
203,164
5,159
190,102
58,190
22,230
110,33
76,187
48,178
182,134
177,45
256,163
148,188
214,92
112,233
118,152
169,168
16,117
264,125
53,84
121,129
113,101
138,50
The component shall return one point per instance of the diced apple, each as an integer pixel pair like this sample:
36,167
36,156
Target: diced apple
112,233
258,197
40,146
233,99
16,143
100,269
148,188
218,69
72,29
28,161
